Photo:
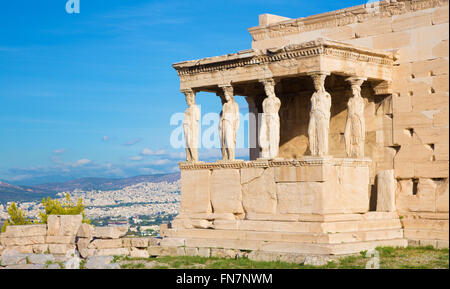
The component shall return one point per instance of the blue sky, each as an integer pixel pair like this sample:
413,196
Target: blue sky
92,94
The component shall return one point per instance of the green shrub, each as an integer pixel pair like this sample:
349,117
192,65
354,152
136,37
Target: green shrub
64,207
16,217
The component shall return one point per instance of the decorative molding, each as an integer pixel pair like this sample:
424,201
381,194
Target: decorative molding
319,47
333,19
305,161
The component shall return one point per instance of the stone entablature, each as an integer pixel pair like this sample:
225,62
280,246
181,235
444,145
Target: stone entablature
292,60
356,14
304,161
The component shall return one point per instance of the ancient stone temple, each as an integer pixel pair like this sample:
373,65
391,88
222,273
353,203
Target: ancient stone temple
351,123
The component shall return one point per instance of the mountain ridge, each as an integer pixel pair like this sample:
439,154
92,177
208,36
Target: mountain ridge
9,192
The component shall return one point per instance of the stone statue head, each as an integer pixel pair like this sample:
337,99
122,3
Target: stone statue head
228,93
269,87
319,81
190,97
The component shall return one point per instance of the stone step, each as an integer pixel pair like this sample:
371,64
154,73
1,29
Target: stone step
307,227
417,234
438,225
289,247
319,238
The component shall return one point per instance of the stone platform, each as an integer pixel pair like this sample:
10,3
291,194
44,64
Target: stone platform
311,206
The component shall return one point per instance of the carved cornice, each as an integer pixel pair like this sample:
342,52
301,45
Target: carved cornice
319,47
357,14
306,161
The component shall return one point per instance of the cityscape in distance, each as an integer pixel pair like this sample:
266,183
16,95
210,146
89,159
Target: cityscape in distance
144,202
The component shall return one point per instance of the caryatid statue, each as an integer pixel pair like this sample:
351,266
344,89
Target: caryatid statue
190,126
355,128
270,123
319,121
229,123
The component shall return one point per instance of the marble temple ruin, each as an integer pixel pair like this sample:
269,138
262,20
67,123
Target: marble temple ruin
351,149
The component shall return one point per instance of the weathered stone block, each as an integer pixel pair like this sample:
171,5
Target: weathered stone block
226,194
85,231
63,225
23,241
25,231
111,232
409,21
61,249
139,242
195,194
112,252
386,186
60,239
138,253
105,244
258,190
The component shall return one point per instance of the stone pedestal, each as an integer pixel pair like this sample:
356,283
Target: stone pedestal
312,206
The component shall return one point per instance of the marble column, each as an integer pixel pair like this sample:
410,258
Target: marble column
270,123
319,121
190,126
355,128
229,123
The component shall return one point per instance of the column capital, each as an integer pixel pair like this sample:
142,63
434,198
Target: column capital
356,80
227,89
269,81
187,91
318,73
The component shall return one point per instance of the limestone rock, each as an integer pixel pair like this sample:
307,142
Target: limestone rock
386,186
316,260
112,232
140,242
105,244
155,251
112,252
138,253
40,248
226,194
63,225
259,190
23,241
13,257
26,267
40,258
195,195
73,263
61,249
100,262
85,231
54,266
25,231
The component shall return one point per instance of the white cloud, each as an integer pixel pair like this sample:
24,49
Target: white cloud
150,152
59,151
105,138
81,162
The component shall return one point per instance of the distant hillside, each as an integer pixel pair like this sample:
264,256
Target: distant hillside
10,192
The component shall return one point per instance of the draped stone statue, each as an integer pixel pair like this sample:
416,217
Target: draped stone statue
229,123
190,126
319,122
355,129
270,122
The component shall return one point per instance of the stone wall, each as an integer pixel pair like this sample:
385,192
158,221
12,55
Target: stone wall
411,131
67,236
